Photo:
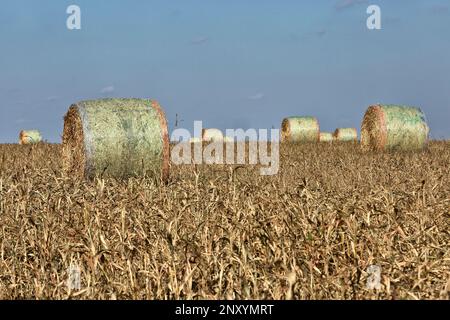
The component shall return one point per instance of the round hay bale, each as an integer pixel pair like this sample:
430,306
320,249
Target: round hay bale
326,137
195,140
346,135
116,137
30,137
212,134
300,129
390,127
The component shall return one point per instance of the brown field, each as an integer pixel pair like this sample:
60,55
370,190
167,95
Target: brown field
215,232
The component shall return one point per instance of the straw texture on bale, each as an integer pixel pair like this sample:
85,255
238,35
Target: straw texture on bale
212,134
326,137
300,129
29,137
116,137
346,134
391,127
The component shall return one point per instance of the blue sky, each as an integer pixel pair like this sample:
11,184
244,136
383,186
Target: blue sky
232,64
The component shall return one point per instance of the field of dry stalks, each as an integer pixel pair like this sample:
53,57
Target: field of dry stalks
213,232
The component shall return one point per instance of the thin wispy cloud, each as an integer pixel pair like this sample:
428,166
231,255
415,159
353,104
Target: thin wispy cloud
175,12
321,33
312,34
346,4
257,96
52,98
109,89
12,91
21,121
199,40
441,9
391,21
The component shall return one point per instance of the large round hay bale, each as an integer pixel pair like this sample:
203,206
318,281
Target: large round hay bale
29,137
300,129
116,137
326,137
346,135
195,140
212,134
390,127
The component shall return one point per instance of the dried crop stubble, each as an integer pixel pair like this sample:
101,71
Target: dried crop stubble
217,232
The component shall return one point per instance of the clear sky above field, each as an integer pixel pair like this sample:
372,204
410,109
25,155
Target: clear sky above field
232,64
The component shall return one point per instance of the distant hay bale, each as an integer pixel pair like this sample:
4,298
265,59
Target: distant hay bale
326,137
116,137
390,127
300,129
195,140
30,137
212,134
346,135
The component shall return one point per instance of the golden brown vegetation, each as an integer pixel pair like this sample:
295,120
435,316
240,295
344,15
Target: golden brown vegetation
309,232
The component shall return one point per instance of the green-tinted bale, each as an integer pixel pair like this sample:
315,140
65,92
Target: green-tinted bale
391,127
121,138
300,129
30,137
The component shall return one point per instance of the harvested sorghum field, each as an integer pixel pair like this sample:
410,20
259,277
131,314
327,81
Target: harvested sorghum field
226,232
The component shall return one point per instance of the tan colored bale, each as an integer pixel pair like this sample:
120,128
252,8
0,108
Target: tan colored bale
391,127
29,137
195,140
346,135
326,137
300,129
212,134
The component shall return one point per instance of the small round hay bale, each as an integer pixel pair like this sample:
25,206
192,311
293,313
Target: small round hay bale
30,137
116,137
300,129
326,137
391,127
346,135
195,140
212,134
